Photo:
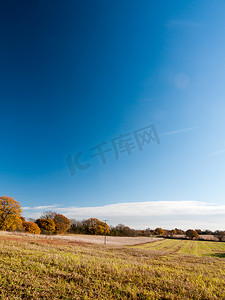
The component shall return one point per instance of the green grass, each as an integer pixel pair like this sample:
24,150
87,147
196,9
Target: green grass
198,248
32,269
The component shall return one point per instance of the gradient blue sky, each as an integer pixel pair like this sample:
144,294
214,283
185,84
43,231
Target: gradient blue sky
76,73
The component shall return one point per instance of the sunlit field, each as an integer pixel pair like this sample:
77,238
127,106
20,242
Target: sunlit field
198,248
37,268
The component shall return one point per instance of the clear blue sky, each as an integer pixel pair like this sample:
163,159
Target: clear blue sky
76,73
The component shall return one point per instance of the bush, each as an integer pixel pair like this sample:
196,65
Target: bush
47,226
31,227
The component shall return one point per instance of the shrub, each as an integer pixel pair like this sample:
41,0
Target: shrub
47,226
31,227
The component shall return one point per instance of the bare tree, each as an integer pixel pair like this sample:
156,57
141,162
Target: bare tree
31,220
220,235
48,215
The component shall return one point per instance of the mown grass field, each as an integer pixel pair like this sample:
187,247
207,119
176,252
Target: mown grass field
191,247
53,269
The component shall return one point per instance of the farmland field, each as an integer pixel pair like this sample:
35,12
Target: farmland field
198,248
93,239
43,268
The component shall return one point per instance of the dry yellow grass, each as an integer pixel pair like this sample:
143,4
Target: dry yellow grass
39,268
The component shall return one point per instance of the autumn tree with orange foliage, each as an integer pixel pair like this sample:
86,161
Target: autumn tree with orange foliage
31,227
10,213
191,234
22,219
95,226
47,226
62,223
159,231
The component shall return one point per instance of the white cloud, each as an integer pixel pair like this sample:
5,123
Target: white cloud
167,214
180,130
45,207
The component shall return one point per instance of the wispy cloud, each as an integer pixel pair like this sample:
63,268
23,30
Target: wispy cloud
180,130
43,207
167,214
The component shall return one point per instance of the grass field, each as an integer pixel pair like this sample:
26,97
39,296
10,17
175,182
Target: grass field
198,248
59,269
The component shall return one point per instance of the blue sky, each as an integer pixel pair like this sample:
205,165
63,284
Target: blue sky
74,74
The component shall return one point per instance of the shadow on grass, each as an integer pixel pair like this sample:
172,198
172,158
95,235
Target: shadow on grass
221,255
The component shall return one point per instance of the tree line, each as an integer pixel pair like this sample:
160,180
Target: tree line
11,219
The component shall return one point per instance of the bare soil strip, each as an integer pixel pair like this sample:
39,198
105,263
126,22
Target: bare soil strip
82,239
